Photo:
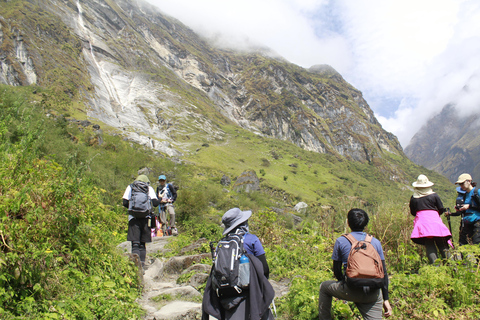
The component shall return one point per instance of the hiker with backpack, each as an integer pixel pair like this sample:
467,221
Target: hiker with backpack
359,266
238,286
428,228
167,194
139,197
468,206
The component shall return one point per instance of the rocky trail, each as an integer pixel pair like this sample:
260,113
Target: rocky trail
164,297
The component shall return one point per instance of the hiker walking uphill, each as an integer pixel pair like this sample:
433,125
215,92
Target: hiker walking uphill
468,206
167,194
138,199
238,286
365,281
428,228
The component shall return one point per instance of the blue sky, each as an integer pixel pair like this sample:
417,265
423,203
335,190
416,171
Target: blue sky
408,57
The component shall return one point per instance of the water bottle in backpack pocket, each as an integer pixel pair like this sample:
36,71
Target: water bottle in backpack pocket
151,221
244,272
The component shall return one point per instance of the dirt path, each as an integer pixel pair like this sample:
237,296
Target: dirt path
163,298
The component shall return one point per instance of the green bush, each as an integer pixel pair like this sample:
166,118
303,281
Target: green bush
58,257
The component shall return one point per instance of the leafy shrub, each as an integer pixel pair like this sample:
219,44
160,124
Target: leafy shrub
57,249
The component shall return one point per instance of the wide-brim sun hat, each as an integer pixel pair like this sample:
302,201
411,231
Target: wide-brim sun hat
463,177
233,218
143,178
422,182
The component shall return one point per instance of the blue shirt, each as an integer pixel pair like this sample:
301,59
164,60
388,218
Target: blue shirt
475,215
342,246
252,244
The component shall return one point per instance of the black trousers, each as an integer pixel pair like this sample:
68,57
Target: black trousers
469,230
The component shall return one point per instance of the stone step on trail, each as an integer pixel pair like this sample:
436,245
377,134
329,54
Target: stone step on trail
175,301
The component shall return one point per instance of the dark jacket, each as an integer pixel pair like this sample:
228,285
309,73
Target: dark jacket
260,294
430,202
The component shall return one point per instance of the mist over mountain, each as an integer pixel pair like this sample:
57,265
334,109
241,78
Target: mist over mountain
447,143
152,80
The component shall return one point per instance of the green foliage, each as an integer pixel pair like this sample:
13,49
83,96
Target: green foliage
60,213
449,291
57,251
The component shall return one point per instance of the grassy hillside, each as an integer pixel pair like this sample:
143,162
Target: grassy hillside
61,183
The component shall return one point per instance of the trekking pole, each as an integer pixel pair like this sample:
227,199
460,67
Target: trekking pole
450,226
212,249
448,219
274,307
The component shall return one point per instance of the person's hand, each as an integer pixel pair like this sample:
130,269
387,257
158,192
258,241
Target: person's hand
464,207
387,308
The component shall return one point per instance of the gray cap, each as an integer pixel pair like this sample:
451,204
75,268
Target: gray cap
233,218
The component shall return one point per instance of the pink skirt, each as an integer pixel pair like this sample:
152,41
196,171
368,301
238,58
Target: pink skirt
428,224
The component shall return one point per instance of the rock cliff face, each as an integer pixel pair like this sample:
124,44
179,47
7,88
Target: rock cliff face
448,144
158,83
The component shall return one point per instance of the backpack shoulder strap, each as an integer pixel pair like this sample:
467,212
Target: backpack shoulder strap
368,238
350,238
476,199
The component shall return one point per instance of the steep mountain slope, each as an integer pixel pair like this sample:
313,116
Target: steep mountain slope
151,77
447,144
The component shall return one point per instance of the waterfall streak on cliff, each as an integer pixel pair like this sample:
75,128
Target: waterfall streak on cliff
104,76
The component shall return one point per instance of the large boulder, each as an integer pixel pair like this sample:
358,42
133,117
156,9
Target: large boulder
301,207
247,181
177,264
225,181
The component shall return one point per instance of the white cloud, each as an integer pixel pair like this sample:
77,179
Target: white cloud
408,57
286,26
393,41
451,76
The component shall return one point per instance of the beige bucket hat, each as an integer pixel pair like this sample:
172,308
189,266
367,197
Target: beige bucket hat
422,182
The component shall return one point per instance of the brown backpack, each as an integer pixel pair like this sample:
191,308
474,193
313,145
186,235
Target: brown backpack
364,266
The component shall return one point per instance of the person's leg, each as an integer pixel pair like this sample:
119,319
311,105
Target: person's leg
325,299
372,310
476,233
134,235
431,250
136,248
171,212
366,302
443,247
142,253
163,220
464,232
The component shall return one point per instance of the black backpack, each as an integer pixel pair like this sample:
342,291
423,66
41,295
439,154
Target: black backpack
460,200
226,266
139,205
